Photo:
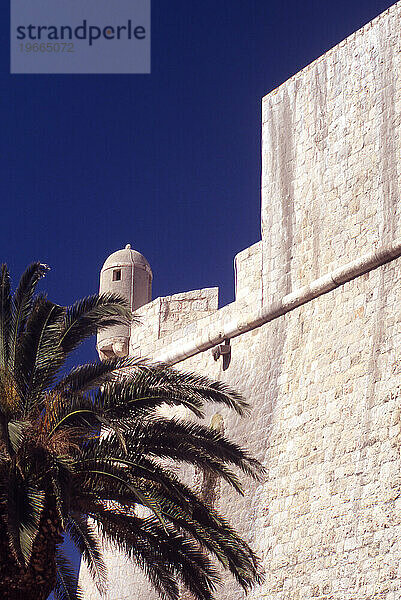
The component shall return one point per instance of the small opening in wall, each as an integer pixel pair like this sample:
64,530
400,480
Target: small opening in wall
117,275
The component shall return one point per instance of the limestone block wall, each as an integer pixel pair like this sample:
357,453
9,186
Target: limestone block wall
331,157
324,380
323,383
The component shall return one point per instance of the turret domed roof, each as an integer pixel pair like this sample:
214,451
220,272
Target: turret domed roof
126,257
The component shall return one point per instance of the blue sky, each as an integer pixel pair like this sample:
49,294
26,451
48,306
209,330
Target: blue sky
169,162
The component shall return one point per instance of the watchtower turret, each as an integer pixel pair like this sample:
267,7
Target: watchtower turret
127,273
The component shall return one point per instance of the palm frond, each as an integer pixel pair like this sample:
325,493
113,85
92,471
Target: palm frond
178,440
5,314
33,509
113,476
191,386
39,356
148,386
173,554
93,375
146,469
66,587
94,313
188,512
164,437
121,535
85,540
16,433
22,304
60,476
183,508
24,508
218,537
139,396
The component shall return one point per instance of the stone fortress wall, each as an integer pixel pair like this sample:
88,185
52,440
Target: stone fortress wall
324,376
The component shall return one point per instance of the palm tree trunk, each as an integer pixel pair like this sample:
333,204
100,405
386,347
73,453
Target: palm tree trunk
37,580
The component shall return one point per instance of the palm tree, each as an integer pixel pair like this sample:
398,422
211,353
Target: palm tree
80,451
